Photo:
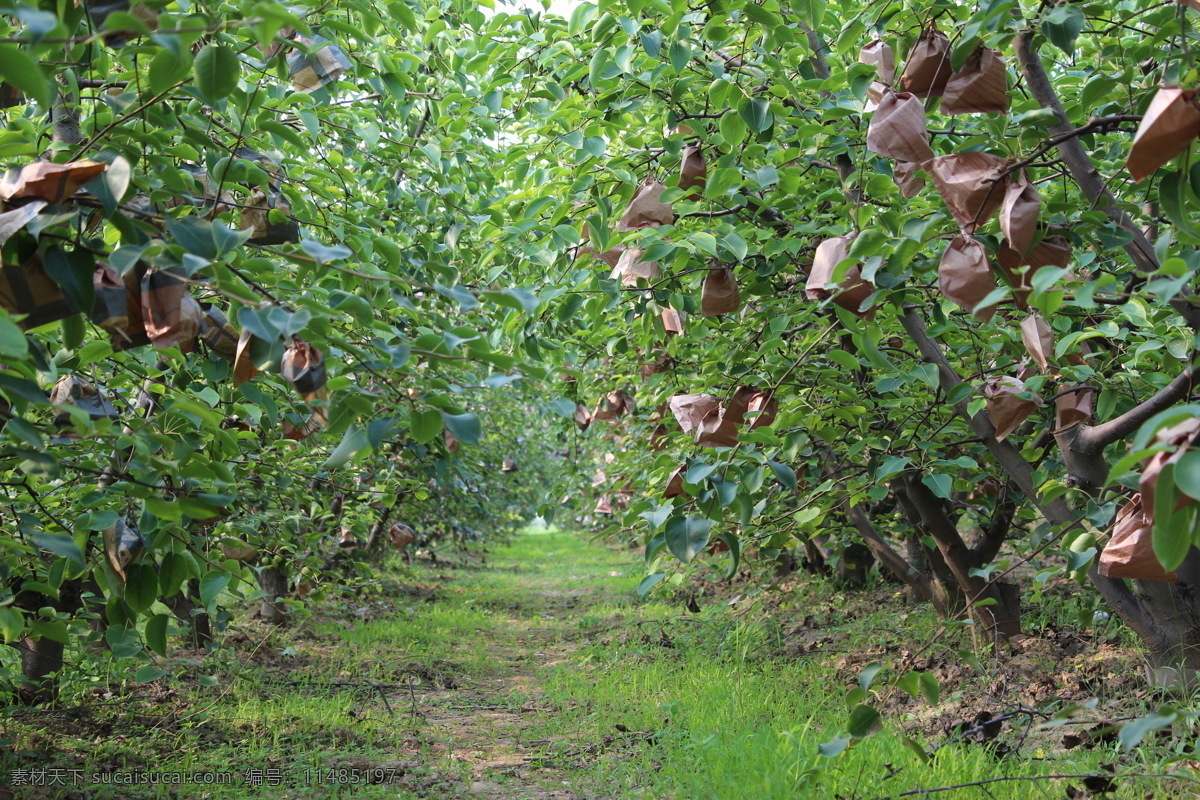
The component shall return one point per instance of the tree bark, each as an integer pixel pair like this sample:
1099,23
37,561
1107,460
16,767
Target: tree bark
997,620
184,607
273,581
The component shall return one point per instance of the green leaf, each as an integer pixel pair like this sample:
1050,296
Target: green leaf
699,471
12,624
649,582
868,674
810,12
325,253
834,747
172,572
211,586
868,243
764,17
687,536
784,474
756,113
426,425
72,271
353,441
54,630
465,427
166,71
1172,194
23,72
141,587
864,721
1187,474
679,54
940,485
148,673
652,43
733,129
929,688
916,748
216,70
1062,26
156,633
60,544
12,340
1132,733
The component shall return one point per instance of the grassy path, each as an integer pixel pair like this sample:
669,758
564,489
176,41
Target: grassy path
532,672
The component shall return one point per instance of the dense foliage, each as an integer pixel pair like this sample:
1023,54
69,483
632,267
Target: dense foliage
308,271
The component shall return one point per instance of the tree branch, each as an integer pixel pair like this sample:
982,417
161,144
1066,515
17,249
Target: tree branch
887,555
1080,165
1096,438
1019,470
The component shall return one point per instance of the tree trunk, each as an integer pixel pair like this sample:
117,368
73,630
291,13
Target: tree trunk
855,563
184,607
40,660
996,621
1001,619
273,581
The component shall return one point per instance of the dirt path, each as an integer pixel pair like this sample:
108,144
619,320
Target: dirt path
492,722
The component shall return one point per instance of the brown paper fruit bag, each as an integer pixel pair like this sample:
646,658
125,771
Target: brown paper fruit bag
853,290
927,68
910,178
1038,339
693,174
1130,551
875,93
1004,408
123,543
1053,251
1182,437
256,215
691,409
170,316
1073,408
898,129
44,180
880,55
970,184
965,277
739,403
630,268
1170,125
322,67
613,405
110,310
645,209
1019,212
303,366
219,334
244,368
717,429
980,87
582,417
27,289
720,293
674,484
74,391
610,257
135,332
762,410
672,321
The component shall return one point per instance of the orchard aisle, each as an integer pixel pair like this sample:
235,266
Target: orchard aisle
515,618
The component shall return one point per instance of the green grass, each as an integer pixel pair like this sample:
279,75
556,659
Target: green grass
710,705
